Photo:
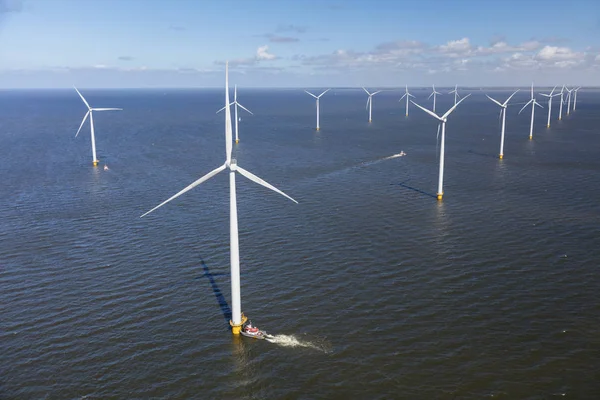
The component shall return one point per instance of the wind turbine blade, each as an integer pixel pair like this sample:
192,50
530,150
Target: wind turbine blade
379,91
430,95
553,89
427,111
538,104
256,179
525,106
82,122
220,110
366,91
82,98
244,108
107,109
190,187
323,93
456,105
545,95
403,96
495,101
510,97
311,94
410,95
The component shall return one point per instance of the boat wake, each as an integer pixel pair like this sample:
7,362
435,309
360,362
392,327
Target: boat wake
293,341
364,164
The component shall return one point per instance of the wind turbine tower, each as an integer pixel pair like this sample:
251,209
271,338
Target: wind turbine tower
533,103
237,317
317,97
503,110
442,119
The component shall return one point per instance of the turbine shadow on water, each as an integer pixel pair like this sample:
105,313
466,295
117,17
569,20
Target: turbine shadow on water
404,185
225,309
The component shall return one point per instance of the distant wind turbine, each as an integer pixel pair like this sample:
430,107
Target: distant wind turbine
568,100
407,95
575,98
237,317
90,113
442,119
503,110
561,102
236,104
533,103
550,96
455,91
434,93
370,101
317,97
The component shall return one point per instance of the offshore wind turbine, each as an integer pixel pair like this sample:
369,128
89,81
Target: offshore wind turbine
407,95
370,101
533,103
561,102
237,317
575,98
455,91
434,93
90,113
503,110
568,100
442,119
550,96
317,97
235,102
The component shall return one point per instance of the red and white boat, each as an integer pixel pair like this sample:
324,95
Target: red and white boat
252,331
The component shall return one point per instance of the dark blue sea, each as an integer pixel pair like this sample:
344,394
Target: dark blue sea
372,288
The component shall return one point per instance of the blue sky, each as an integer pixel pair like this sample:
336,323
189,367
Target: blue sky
294,43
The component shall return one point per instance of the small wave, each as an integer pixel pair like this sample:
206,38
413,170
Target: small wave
293,341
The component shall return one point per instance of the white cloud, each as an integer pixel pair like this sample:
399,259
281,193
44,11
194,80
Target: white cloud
262,53
554,53
457,48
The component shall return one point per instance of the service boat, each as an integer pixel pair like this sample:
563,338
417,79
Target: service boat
251,331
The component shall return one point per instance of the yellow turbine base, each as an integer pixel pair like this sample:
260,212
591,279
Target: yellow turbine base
237,141
548,126
95,163
318,129
236,329
439,196
530,137
501,156
369,121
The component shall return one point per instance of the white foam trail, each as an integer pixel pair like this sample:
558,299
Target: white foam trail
401,154
293,341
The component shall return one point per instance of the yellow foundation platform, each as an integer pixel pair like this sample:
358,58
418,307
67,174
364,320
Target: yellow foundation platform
236,329
501,156
440,195
95,163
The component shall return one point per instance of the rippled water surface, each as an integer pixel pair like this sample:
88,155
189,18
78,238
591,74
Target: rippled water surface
372,288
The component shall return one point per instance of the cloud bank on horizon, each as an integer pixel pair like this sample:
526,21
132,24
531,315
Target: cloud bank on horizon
55,43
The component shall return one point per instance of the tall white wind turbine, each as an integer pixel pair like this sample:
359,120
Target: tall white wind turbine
575,98
407,95
318,108
370,101
442,119
434,93
503,110
568,100
91,115
455,91
562,90
550,96
236,104
237,317
533,103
